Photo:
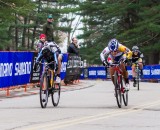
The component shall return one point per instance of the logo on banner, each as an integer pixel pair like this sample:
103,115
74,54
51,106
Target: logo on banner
155,72
21,68
101,72
6,69
92,72
146,71
63,66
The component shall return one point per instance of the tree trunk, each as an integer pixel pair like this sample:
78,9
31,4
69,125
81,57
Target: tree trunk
154,58
24,33
35,27
16,33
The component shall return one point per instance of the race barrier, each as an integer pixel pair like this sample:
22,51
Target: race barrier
16,68
73,69
149,71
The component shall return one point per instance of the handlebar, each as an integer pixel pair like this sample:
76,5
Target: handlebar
116,63
46,64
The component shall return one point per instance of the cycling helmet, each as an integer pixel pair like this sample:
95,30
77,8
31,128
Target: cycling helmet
135,48
113,45
46,50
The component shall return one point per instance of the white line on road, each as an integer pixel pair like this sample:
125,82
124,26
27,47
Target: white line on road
55,125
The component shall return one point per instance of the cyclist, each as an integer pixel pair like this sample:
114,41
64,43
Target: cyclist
51,52
116,52
137,56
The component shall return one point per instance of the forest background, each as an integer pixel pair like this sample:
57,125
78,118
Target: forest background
132,22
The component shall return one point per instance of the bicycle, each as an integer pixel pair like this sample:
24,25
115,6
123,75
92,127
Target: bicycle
119,83
137,78
48,87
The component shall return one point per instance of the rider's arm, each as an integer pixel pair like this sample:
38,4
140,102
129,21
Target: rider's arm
104,53
55,57
141,55
126,50
40,56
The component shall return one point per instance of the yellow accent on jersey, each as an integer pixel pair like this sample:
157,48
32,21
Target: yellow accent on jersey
125,50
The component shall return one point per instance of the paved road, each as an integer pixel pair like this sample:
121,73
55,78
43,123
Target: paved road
91,108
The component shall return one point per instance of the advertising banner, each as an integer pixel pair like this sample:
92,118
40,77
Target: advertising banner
15,68
97,72
64,66
155,72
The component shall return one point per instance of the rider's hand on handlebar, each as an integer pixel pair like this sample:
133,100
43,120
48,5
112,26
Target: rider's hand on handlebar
105,63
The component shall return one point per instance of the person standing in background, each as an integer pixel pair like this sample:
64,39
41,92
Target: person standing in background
48,28
42,41
73,47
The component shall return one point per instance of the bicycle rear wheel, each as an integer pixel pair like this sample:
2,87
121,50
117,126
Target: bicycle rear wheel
117,89
56,94
125,93
44,91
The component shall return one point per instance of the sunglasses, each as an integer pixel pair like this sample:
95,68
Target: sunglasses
113,51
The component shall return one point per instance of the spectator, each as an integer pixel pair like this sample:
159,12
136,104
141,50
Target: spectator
73,47
42,41
48,28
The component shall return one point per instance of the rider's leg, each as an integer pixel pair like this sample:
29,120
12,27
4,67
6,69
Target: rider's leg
59,64
56,57
124,73
111,71
140,66
133,73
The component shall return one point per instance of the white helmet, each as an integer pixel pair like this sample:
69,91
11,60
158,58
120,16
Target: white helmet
113,45
135,48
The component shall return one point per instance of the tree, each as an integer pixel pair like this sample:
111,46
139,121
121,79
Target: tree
133,22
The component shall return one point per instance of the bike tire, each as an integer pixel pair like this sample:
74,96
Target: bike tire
56,94
125,93
117,90
44,92
137,79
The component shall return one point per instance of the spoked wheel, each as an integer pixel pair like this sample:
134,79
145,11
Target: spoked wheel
44,91
137,79
56,94
117,90
124,93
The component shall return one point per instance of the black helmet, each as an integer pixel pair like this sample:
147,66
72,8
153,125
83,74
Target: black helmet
135,48
46,50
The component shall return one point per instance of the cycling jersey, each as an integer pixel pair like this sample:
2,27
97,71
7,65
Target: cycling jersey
137,57
122,50
51,55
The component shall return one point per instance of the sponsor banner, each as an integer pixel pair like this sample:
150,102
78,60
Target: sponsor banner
97,72
35,75
155,72
15,68
149,72
64,65
146,72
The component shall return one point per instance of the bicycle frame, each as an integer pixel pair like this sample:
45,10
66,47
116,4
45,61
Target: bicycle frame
117,69
137,74
118,83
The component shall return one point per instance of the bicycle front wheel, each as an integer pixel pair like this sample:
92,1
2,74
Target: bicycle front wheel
44,91
56,94
118,95
125,92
